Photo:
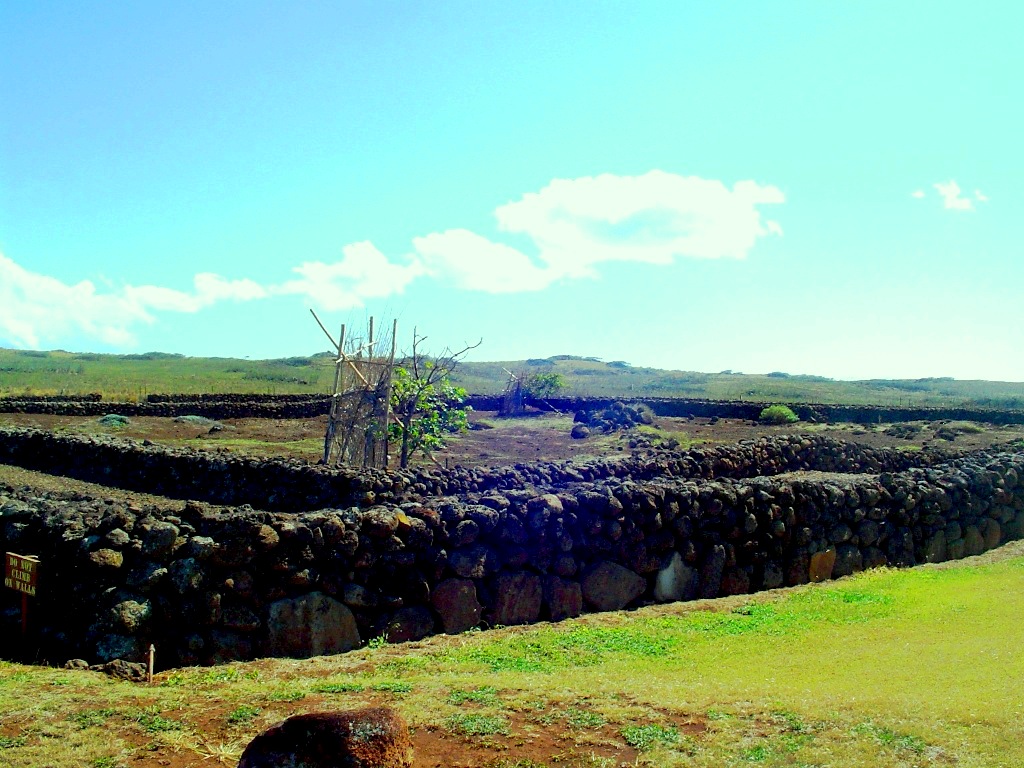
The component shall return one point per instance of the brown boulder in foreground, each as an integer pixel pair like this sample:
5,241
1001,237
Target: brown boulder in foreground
375,737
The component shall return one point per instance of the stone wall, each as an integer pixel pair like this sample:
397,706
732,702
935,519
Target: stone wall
220,406
680,407
209,584
292,485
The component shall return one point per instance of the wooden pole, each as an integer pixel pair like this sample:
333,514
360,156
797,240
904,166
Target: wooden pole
332,413
152,659
387,392
326,333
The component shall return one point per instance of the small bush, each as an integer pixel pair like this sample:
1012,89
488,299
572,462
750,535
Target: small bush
115,421
778,414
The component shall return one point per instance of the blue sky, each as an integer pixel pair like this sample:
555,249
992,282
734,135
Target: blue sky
810,187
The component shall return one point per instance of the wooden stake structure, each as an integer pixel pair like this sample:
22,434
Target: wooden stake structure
357,423
512,400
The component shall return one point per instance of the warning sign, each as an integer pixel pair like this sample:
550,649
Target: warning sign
21,572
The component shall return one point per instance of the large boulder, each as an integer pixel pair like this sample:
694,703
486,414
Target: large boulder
375,737
711,572
412,623
456,603
310,625
849,560
517,599
609,586
822,565
564,598
472,562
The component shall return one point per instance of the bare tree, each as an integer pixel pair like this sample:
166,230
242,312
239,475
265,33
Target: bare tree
424,402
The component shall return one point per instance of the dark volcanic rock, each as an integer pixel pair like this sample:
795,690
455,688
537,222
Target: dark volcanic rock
455,601
518,598
365,738
609,586
311,625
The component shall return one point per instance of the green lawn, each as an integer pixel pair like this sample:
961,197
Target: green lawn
888,668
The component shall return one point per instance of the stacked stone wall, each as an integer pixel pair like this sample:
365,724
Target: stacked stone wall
209,584
292,485
222,406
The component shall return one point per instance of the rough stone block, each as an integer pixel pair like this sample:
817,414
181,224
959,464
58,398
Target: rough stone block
822,564
564,598
675,581
609,586
456,603
310,625
518,598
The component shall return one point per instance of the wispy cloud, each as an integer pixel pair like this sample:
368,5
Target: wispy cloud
362,273
571,226
952,196
37,308
951,199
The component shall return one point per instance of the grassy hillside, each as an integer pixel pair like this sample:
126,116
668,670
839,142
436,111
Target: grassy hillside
134,376
589,376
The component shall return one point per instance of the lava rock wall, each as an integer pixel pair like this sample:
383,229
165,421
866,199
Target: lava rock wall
239,406
210,584
291,485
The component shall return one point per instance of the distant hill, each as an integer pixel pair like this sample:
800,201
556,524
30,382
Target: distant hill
134,376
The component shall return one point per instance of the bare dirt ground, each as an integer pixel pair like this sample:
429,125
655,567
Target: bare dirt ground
493,441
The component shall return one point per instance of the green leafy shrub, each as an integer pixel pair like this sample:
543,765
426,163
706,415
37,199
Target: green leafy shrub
778,414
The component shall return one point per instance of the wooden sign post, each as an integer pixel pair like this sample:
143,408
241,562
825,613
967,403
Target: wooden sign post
21,573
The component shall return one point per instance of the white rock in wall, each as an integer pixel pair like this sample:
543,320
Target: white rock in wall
675,581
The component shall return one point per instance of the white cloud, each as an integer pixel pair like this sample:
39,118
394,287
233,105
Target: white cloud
952,196
577,224
209,289
37,309
951,199
475,263
654,218
363,273
572,226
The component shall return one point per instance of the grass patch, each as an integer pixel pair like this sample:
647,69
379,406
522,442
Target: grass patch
645,737
473,724
486,695
152,721
92,718
392,686
887,668
243,714
346,687
581,718
287,696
